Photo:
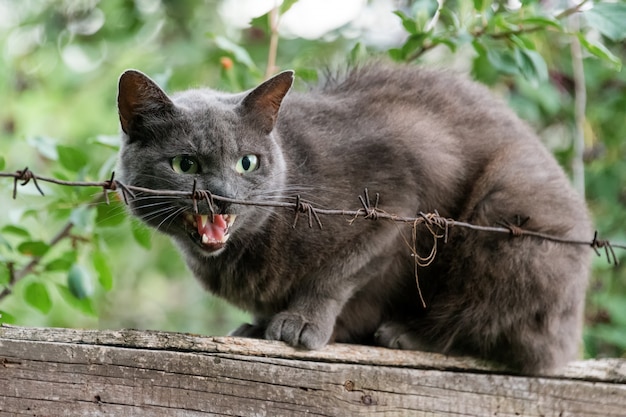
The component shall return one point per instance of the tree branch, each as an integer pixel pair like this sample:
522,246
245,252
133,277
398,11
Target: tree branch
580,102
15,276
273,47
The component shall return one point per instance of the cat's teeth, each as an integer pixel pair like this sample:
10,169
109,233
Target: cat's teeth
230,219
204,219
205,239
190,219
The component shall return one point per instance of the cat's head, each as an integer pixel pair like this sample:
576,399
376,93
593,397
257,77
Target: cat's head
222,142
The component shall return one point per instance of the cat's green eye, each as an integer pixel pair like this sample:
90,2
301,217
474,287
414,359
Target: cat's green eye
185,164
247,163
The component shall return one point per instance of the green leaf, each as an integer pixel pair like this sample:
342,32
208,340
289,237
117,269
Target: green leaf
532,65
600,51
502,22
7,318
616,307
16,230
357,54
408,23
503,61
262,23
479,47
609,19
609,334
450,19
396,54
79,282
284,8
141,234
2,164
307,74
546,21
4,274
5,243
523,42
482,69
239,53
63,262
110,215
101,265
72,159
84,305
36,294
451,43
45,146
82,217
413,44
109,141
479,4
34,248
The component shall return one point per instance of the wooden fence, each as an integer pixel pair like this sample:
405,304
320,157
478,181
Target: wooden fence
67,372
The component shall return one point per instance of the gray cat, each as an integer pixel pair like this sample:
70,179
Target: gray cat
424,140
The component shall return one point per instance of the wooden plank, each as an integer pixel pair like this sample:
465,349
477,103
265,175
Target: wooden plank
46,372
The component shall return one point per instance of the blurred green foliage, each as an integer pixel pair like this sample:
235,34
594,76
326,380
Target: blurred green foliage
69,259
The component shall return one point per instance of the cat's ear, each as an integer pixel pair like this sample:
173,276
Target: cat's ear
138,93
264,101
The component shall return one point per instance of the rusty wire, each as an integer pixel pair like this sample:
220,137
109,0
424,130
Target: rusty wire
437,225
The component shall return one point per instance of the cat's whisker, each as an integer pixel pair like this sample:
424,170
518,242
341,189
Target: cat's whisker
116,212
160,179
277,216
154,204
156,211
171,217
156,197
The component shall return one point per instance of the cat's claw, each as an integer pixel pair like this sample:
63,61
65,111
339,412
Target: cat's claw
298,331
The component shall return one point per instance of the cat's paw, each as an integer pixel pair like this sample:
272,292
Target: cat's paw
254,331
398,336
296,330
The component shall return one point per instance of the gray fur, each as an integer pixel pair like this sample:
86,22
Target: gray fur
425,140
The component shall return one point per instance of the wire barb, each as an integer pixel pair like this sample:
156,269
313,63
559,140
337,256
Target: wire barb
107,186
514,228
25,175
198,195
370,212
597,244
305,208
127,194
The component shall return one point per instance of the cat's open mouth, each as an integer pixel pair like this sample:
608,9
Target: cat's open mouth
210,233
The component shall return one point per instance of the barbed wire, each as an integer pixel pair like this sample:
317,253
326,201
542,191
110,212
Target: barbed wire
437,225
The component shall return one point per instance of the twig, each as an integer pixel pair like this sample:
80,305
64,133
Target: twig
580,99
568,12
15,276
273,47
433,22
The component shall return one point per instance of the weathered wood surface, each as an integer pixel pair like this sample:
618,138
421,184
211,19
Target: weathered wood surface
65,372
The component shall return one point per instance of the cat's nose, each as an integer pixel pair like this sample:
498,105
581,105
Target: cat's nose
221,207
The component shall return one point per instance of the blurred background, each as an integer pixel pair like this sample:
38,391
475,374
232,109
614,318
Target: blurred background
557,63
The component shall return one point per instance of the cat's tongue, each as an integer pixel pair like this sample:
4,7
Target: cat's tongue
216,231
